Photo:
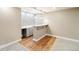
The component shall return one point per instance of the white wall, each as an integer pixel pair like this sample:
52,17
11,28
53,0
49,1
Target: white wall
39,20
64,23
10,24
27,19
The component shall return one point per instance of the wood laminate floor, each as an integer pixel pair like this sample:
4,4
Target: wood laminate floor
43,44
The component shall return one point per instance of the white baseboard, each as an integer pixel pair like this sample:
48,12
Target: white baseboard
42,37
65,38
39,38
58,37
8,44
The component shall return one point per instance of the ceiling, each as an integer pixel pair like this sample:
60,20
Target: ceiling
42,10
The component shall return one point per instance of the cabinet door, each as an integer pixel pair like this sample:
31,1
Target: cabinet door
29,31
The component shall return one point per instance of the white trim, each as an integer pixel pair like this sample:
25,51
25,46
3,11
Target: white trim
8,44
39,38
58,37
42,37
65,38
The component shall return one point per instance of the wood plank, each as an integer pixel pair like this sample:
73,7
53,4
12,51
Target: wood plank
43,44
